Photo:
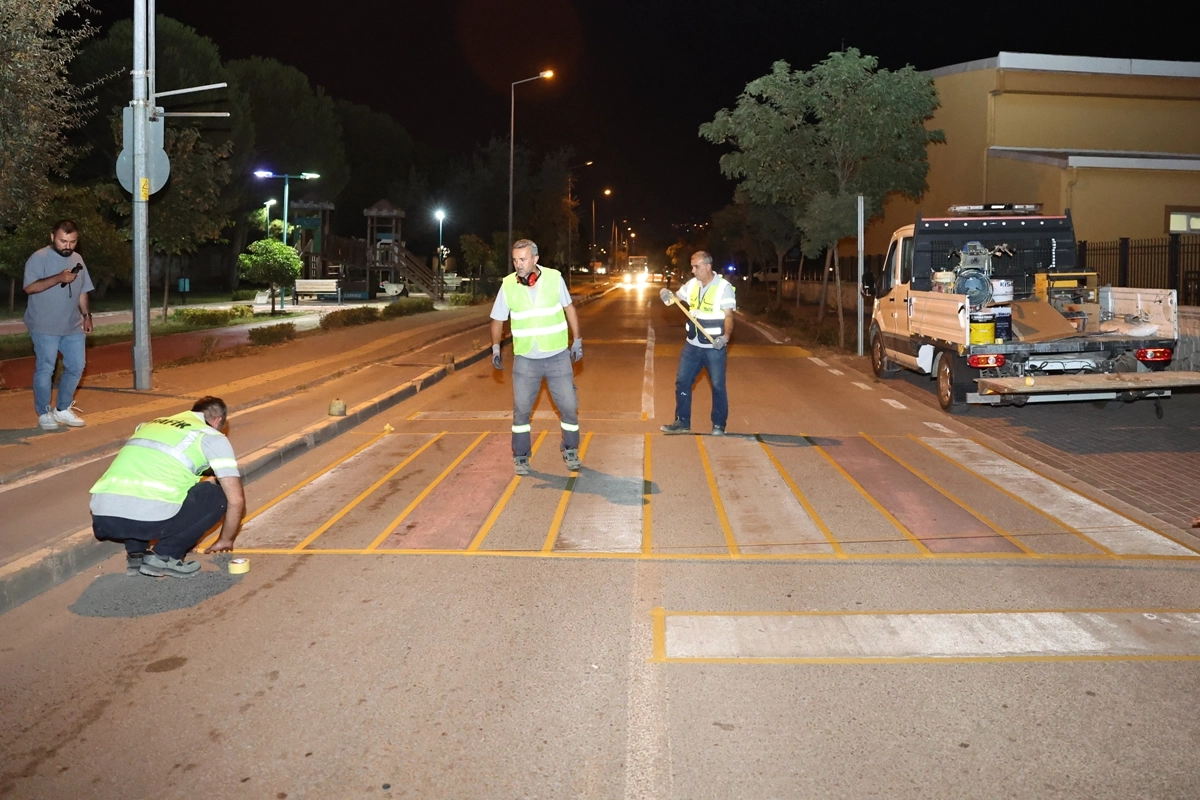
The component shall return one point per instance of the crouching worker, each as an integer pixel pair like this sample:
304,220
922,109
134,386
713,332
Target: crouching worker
154,491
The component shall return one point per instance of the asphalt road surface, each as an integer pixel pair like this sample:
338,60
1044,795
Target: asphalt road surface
851,595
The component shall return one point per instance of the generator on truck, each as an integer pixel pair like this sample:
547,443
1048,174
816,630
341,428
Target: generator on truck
989,302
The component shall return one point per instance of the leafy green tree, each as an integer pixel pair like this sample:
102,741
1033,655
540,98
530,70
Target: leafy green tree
103,245
811,141
379,152
479,256
38,104
271,262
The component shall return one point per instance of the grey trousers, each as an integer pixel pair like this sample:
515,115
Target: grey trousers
528,374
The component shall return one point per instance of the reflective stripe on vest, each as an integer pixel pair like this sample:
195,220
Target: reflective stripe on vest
539,318
703,302
161,461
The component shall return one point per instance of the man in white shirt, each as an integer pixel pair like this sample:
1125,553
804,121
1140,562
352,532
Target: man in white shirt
712,300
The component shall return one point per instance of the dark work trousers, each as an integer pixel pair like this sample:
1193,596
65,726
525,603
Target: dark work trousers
691,360
528,374
203,508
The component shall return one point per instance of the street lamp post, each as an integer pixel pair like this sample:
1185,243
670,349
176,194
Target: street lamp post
267,212
577,166
512,126
441,215
303,176
592,260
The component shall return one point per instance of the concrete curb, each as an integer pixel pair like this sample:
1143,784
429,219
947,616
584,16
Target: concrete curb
27,577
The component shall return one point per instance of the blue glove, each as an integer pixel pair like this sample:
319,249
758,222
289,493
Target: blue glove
576,351
496,362
719,342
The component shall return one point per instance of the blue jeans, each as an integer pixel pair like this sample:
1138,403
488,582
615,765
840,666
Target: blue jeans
559,375
45,350
691,361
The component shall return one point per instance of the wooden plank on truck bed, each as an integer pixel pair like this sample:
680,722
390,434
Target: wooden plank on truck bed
1035,321
1108,382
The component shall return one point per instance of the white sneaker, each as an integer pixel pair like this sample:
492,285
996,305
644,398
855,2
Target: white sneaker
67,417
47,422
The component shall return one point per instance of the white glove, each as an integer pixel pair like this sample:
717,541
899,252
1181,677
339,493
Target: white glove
496,362
576,351
665,296
719,342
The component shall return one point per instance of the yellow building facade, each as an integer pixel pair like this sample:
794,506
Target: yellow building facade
1117,141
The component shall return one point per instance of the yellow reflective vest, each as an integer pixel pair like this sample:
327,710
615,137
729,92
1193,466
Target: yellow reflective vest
705,305
539,318
162,460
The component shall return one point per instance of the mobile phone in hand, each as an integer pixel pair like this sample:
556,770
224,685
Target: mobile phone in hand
77,268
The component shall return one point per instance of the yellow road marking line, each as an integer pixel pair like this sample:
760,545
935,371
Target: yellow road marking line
921,548
1100,503
647,517
929,481
658,622
1018,498
279,498
812,512
561,511
730,540
425,493
363,496
477,542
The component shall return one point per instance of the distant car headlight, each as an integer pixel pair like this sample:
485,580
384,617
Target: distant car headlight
641,278
627,279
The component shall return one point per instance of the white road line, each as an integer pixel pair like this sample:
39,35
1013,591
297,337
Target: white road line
817,361
940,428
863,386
648,379
835,371
917,635
1119,534
894,403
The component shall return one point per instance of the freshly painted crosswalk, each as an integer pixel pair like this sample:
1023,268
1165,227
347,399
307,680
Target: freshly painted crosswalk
767,497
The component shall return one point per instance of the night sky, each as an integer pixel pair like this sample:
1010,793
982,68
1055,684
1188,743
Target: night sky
633,80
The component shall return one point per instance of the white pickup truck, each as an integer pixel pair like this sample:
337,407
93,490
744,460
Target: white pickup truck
993,307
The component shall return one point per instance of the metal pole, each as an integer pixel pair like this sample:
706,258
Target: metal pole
286,182
141,199
860,274
512,127
568,228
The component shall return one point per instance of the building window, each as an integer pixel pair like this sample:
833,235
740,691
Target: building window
1183,220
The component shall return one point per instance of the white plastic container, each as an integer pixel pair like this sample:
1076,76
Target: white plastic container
1002,290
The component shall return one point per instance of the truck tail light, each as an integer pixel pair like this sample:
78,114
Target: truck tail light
989,360
1155,354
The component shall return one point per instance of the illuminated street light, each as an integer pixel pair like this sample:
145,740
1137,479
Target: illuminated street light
569,169
512,124
607,193
440,215
303,176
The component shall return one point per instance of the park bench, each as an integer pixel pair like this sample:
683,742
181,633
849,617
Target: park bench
317,288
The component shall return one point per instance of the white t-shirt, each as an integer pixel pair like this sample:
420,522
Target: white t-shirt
726,302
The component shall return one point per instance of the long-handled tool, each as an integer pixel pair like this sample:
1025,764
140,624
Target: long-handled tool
685,310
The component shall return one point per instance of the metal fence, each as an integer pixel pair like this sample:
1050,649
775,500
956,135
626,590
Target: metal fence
1172,262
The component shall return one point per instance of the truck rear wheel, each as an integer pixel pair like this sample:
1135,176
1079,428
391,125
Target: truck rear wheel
880,365
952,383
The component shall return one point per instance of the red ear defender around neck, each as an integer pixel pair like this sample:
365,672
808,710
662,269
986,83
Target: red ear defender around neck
530,280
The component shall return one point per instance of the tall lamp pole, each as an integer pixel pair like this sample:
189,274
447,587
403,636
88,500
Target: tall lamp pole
569,169
592,259
267,212
441,216
512,127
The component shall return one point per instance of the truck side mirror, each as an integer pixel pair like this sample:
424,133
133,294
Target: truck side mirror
868,285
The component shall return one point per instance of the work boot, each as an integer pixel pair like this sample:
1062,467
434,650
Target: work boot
160,566
571,459
521,465
133,563
678,426
718,430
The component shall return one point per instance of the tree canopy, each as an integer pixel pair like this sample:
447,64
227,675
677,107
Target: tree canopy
271,262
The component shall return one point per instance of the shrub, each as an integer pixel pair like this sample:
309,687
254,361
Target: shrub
243,294
407,306
346,317
779,316
458,299
272,334
203,317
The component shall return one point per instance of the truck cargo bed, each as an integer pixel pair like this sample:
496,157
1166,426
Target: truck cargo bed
1109,382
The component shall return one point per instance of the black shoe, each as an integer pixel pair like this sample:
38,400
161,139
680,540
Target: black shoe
521,465
718,430
571,459
678,426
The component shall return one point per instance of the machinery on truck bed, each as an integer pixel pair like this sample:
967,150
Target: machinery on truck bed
990,303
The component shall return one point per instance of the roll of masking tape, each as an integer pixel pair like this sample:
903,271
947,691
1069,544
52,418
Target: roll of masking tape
239,566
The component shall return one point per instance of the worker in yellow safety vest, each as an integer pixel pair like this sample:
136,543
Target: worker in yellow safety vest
712,300
154,491
535,301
